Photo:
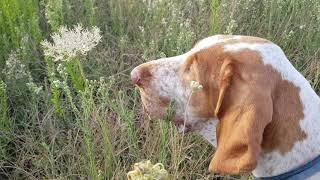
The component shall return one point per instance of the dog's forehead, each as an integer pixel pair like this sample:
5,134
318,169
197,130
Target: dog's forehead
175,61
165,66
212,40
167,79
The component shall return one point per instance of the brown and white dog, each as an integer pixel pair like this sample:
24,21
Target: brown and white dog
260,112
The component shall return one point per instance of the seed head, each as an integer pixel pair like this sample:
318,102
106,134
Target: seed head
195,86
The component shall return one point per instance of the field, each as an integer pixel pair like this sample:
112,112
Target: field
76,115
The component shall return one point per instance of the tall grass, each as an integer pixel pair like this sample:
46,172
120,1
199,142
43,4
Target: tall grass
19,27
82,118
5,124
293,25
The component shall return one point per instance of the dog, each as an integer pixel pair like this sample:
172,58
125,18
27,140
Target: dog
261,114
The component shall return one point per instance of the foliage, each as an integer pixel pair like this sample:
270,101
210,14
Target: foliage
68,110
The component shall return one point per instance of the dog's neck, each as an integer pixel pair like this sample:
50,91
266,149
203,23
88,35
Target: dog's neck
274,163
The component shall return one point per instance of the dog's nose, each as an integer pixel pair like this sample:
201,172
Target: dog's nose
141,75
136,76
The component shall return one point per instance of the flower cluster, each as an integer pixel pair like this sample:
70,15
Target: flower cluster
195,86
34,88
58,84
231,26
69,43
14,69
145,170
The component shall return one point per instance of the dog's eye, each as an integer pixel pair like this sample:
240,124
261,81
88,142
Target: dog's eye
187,69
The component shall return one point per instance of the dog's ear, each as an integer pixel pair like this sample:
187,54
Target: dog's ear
225,75
243,114
213,69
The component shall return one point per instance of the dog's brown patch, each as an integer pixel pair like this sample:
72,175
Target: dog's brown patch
284,130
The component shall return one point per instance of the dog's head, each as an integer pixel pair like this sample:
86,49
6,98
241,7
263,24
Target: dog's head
237,90
170,79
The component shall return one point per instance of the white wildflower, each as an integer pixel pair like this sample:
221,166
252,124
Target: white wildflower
14,68
57,84
302,27
290,34
195,86
162,55
164,21
124,41
102,79
62,70
34,88
68,43
141,28
231,26
92,83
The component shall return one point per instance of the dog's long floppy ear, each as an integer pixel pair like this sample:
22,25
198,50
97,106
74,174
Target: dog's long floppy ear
225,75
244,113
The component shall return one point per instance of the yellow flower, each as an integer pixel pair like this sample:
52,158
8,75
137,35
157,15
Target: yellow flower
145,170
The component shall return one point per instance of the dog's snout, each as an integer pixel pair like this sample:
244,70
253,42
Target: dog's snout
136,76
141,75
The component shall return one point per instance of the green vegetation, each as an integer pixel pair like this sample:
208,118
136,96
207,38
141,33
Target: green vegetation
79,116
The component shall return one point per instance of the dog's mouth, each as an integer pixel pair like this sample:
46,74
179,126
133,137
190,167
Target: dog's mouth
183,126
182,123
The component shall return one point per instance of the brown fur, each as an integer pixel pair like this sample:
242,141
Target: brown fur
204,102
284,130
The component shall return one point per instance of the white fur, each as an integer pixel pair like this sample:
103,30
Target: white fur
274,163
315,176
209,131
